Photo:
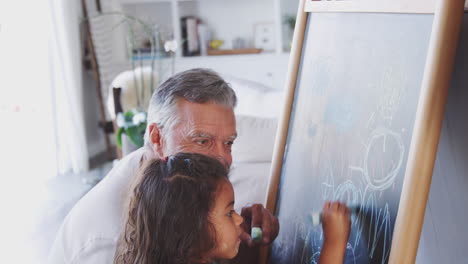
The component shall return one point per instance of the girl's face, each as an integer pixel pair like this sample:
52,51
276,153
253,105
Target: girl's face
226,222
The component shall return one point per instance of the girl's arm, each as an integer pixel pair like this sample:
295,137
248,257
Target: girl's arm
336,225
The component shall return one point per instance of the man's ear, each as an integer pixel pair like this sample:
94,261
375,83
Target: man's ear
156,139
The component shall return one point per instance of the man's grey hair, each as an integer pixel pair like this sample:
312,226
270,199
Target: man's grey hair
196,86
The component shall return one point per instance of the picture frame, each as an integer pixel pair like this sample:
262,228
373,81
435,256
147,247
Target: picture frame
264,36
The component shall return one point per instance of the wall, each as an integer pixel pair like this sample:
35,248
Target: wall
231,19
444,236
267,69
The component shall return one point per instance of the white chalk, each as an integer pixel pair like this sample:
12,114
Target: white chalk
257,234
316,217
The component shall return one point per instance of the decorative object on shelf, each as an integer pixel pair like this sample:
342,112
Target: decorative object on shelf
189,32
170,46
204,35
238,43
216,43
264,34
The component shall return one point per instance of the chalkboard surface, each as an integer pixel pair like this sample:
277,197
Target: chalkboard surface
350,130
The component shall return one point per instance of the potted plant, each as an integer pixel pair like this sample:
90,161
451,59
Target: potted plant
131,128
131,124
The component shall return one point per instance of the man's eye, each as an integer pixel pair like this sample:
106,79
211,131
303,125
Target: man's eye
202,141
229,143
231,213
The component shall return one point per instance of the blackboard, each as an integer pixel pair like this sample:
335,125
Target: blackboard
350,129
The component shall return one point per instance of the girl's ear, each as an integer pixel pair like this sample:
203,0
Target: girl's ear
157,143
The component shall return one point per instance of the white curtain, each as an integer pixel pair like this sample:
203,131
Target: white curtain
66,85
42,133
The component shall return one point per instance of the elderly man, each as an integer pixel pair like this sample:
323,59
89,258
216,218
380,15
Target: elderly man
190,112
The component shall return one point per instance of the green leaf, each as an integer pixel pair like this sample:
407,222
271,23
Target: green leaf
135,136
129,116
142,127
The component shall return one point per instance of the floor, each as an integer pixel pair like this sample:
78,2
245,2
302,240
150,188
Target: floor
50,208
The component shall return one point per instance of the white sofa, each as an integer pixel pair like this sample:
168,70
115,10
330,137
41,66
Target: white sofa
257,115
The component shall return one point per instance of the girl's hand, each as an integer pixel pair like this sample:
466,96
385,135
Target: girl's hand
336,224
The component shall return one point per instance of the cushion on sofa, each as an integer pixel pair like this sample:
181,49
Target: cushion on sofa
255,140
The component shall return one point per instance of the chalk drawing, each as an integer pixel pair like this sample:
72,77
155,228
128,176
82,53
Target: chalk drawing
328,186
363,181
375,220
304,249
350,252
392,93
348,193
378,142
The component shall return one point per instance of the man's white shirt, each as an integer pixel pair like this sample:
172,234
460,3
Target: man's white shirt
90,232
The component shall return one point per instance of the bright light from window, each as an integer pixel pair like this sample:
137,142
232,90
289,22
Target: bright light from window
27,148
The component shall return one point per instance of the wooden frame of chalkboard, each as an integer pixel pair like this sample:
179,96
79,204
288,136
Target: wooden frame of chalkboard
429,115
381,6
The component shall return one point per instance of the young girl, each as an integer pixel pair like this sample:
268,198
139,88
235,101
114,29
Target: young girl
181,210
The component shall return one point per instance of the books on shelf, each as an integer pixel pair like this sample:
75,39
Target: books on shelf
190,39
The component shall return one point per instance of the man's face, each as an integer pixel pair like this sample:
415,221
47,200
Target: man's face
208,129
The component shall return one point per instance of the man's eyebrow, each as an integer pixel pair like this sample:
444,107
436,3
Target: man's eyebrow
230,204
206,135
201,134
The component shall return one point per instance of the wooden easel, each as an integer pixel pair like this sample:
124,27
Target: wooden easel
429,116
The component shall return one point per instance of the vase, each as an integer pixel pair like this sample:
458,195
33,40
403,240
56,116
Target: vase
127,145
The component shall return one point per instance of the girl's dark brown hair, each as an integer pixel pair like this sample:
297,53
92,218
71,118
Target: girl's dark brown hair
167,221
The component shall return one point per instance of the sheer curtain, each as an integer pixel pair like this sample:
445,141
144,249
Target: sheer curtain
41,82
66,86
42,133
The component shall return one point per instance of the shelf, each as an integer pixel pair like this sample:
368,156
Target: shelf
126,2
220,25
225,53
213,52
